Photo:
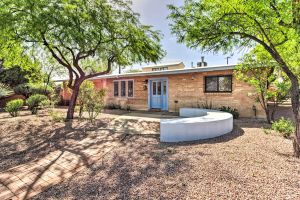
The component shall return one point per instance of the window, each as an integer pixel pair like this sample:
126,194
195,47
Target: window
218,83
123,88
154,88
130,88
159,88
160,68
116,88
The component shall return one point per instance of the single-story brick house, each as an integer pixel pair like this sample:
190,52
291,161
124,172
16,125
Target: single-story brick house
169,87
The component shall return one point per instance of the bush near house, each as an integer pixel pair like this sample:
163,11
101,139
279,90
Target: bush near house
95,103
13,107
86,90
36,101
284,126
233,111
113,106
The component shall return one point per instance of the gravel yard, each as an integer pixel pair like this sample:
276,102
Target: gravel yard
245,164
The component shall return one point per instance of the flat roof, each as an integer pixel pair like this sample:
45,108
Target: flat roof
169,72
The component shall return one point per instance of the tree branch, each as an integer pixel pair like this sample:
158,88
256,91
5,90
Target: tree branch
109,66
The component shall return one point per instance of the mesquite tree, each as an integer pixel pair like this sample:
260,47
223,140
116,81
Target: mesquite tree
85,36
271,86
217,25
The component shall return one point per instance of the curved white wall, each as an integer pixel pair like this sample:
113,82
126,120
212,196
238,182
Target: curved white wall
202,124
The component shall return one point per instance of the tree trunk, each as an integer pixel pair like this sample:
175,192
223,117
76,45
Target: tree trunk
268,115
75,92
295,107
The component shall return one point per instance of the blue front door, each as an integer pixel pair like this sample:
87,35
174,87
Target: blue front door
159,94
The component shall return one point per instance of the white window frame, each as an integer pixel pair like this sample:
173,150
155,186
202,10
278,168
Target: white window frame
126,88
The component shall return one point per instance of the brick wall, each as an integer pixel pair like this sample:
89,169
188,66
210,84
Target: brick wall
188,90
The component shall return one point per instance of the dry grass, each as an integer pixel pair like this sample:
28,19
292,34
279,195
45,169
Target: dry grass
245,164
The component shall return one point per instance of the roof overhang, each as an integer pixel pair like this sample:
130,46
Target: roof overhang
169,72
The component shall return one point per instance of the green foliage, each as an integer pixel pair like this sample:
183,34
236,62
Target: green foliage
95,104
113,106
85,37
16,75
260,71
90,99
29,89
56,116
233,111
217,25
36,101
284,126
5,91
206,105
86,91
92,32
13,107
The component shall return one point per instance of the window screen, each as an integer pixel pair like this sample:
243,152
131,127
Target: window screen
130,88
123,88
218,83
116,89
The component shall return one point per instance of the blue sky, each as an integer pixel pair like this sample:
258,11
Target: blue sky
155,12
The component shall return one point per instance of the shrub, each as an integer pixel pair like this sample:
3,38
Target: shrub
85,93
41,89
113,106
28,89
233,111
284,126
22,89
13,107
56,116
36,101
206,105
5,91
95,104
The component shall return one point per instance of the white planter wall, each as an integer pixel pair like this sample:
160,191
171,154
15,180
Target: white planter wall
201,124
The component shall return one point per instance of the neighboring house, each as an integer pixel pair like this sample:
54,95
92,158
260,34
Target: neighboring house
173,87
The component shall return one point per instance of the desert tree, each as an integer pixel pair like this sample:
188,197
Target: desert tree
85,36
272,87
217,25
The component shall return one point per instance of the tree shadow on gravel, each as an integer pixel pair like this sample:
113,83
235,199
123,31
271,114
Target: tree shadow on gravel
30,143
38,142
124,176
